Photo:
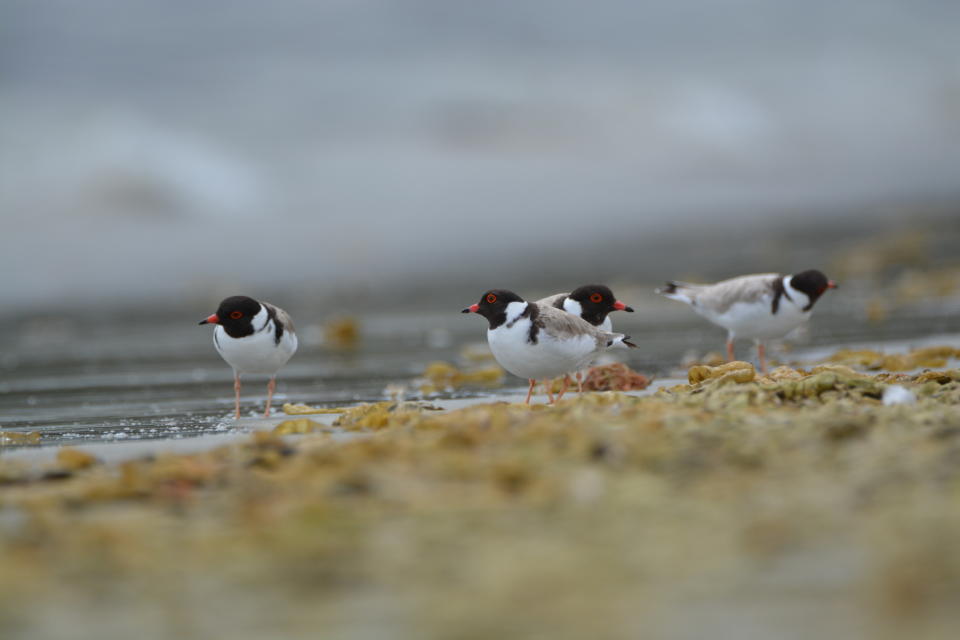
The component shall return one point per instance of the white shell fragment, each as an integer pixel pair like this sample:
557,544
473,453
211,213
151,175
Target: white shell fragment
898,394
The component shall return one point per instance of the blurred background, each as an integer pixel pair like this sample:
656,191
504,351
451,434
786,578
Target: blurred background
390,161
368,148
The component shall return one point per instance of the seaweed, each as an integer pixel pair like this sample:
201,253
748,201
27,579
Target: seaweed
599,502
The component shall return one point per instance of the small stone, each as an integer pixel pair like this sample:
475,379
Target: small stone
898,394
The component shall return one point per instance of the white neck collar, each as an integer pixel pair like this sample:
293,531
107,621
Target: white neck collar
572,306
795,293
513,312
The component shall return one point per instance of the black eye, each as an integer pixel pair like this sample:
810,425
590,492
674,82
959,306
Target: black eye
491,298
236,315
596,297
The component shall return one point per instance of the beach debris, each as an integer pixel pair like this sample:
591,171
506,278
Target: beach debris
614,377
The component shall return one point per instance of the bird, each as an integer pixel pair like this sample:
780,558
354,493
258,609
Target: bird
593,303
759,306
252,337
539,341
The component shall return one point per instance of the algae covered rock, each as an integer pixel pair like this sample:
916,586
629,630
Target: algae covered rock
934,357
74,459
298,425
15,438
302,410
732,372
441,376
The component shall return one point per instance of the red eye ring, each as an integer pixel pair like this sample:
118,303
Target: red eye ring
236,315
596,297
491,298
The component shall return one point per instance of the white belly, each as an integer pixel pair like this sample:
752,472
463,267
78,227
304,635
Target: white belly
754,320
548,358
256,353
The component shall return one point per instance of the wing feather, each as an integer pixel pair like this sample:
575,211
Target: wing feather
719,297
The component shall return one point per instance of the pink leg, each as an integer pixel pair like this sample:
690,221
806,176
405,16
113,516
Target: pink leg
533,383
236,391
549,386
563,389
579,382
762,356
729,350
270,388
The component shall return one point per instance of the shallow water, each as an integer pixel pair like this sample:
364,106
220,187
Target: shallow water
81,379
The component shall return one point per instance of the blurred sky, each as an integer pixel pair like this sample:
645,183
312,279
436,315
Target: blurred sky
205,146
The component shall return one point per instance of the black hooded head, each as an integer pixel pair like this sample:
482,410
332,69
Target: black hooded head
235,314
596,301
813,283
493,306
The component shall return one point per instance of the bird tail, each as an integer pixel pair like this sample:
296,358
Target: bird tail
682,291
620,340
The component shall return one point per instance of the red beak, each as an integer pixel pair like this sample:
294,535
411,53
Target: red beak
619,306
471,309
831,284
211,320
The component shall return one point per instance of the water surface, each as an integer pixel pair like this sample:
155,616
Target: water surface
83,378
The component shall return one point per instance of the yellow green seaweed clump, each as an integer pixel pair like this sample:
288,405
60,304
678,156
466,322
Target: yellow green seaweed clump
342,333
19,438
297,426
736,384
443,376
75,459
304,410
736,371
934,357
379,415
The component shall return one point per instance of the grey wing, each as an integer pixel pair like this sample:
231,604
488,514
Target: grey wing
551,301
282,316
562,325
721,296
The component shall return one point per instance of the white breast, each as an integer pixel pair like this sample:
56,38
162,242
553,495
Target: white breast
548,358
258,352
